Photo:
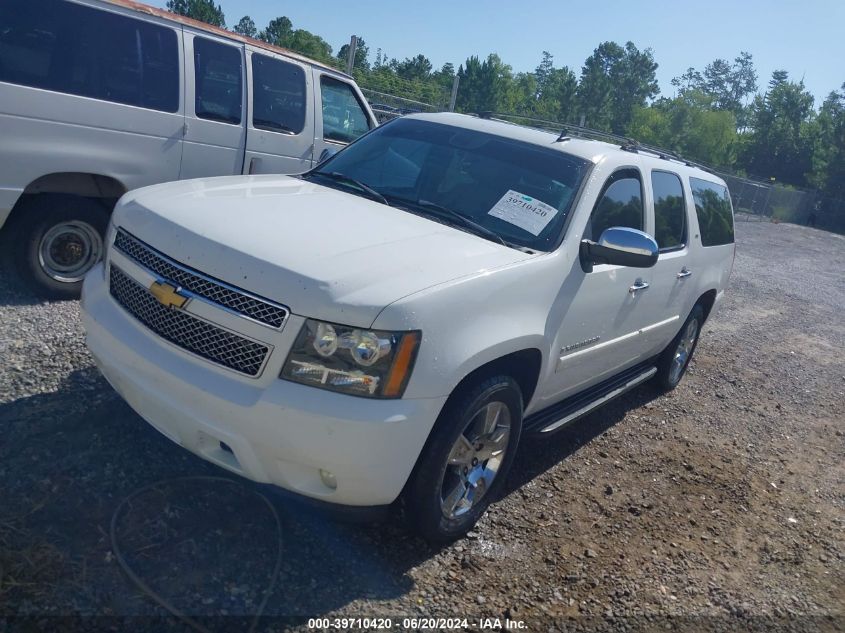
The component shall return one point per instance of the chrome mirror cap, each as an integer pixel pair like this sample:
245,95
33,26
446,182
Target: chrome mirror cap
620,246
629,241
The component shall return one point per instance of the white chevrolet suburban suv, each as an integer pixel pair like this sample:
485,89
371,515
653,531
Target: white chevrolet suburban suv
98,97
386,326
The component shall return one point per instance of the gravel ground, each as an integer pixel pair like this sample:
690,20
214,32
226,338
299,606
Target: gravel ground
719,506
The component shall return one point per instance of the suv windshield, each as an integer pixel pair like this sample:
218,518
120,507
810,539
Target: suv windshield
502,187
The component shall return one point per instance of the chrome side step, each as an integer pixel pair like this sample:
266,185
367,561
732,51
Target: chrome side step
571,409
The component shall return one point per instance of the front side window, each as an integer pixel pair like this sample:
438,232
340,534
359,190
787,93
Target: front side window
515,191
218,74
278,95
620,204
344,119
78,50
713,209
670,214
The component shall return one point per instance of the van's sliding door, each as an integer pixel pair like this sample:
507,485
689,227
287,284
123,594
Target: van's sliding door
280,115
215,135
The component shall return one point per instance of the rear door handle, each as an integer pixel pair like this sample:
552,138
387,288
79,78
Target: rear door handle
639,284
685,272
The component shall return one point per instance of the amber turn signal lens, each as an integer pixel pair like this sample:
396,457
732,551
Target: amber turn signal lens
402,364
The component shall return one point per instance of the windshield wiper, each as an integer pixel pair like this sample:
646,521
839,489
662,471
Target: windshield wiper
342,178
440,210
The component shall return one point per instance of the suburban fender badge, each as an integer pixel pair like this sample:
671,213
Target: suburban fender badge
167,295
575,346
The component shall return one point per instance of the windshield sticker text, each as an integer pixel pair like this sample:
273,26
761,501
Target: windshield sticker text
527,213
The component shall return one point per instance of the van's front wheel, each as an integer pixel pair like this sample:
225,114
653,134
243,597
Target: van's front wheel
466,460
58,240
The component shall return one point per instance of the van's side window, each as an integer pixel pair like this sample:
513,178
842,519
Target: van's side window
713,208
344,119
670,224
620,204
219,81
278,95
70,48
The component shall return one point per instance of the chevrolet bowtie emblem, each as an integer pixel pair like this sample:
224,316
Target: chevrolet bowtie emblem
167,295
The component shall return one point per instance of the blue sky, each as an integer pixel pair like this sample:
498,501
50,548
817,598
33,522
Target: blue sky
807,37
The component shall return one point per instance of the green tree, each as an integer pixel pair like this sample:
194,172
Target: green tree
486,86
558,99
544,71
614,82
729,85
413,68
278,31
362,53
202,10
246,26
689,126
310,45
780,143
828,172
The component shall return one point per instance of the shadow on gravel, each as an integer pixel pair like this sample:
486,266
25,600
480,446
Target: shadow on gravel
538,454
13,292
68,459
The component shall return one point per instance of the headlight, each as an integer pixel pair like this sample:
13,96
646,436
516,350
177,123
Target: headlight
370,363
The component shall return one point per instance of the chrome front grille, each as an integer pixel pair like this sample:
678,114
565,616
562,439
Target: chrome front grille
213,290
188,332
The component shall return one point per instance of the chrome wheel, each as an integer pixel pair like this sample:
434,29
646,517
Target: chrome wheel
475,459
69,250
683,351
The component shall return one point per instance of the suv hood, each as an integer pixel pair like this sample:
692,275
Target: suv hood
320,251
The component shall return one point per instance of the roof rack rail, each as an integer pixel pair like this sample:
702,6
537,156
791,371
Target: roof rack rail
566,131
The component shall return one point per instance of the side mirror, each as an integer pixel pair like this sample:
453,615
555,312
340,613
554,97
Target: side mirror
326,154
620,246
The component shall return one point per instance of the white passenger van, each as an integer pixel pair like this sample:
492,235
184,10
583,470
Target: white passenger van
98,97
388,324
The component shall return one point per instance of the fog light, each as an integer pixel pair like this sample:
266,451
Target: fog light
328,479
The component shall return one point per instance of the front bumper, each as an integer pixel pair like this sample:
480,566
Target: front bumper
277,432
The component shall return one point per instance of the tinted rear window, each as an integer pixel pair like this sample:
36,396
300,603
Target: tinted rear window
279,95
219,81
78,50
713,208
669,210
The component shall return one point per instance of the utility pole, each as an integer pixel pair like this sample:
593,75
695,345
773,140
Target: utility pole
350,56
455,83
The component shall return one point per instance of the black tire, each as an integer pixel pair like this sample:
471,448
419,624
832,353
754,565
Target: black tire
76,228
423,495
668,374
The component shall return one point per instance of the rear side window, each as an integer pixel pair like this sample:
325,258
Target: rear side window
670,225
219,81
66,47
713,208
620,204
344,119
278,95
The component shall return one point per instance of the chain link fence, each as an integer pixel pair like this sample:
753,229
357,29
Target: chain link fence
760,200
387,107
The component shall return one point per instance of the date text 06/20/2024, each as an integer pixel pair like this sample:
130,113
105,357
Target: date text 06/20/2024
417,624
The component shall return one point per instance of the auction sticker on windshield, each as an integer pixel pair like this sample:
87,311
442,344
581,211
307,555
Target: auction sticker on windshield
527,213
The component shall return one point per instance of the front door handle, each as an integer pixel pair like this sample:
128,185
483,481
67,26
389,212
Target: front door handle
639,284
685,272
